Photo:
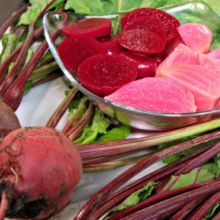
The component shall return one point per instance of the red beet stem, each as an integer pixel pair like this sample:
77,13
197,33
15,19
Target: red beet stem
205,207
22,54
154,199
56,116
3,206
106,191
15,16
184,198
138,184
14,54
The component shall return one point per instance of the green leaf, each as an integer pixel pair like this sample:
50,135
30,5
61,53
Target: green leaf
99,125
28,86
34,10
135,198
115,134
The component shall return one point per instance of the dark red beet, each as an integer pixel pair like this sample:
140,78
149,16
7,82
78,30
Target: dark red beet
73,51
142,41
169,22
103,74
112,46
146,66
89,27
147,23
8,120
39,170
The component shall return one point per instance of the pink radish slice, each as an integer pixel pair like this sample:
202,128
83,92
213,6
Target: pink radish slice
146,66
89,27
142,41
103,74
209,62
73,51
181,55
147,23
196,36
155,94
169,22
215,53
202,83
112,46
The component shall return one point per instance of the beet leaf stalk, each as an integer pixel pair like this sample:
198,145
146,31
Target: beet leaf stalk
22,54
9,22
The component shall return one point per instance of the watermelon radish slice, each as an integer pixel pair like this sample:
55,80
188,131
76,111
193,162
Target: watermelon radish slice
169,22
146,66
202,83
73,51
147,23
112,46
90,27
155,94
141,41
103,74
215,53
196,36
210,63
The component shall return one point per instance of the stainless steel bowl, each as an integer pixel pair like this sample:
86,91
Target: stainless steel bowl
190,12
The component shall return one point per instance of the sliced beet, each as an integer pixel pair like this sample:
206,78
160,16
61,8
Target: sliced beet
103,74
112,46
146,66
169,22
147,23
73,51
142,41
90,27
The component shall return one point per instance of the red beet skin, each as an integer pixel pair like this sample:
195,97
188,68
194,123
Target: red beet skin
39,170
147,23
169,22
146,66
103,74
90,27
142,41
73,51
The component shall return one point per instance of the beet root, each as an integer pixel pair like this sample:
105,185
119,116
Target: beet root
8,120
39,170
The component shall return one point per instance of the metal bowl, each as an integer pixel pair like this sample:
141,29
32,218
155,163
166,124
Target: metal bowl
146,120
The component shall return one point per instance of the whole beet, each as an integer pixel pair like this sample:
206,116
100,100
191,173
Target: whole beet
39,169
8,120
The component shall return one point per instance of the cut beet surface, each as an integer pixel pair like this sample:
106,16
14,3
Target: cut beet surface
103,74
142,41
73,51
112,46
90,27
155,94
146,66
147,23
169,22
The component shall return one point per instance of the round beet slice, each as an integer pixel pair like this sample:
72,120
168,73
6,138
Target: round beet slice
90,27
142,41
169,22
73,51
103,74
147,23
112,46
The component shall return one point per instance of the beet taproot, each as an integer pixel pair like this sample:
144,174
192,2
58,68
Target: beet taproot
142,41
103,74
169,22
73,51
8,120
90,27
39,170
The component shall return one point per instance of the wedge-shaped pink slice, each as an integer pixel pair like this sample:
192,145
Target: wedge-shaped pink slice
181,55
155,94
209,62
197,36
203,83
215,53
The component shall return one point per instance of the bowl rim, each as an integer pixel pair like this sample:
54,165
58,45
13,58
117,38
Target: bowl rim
94,97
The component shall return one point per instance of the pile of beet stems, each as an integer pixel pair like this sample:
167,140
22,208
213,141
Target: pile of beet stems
164,202
13,80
